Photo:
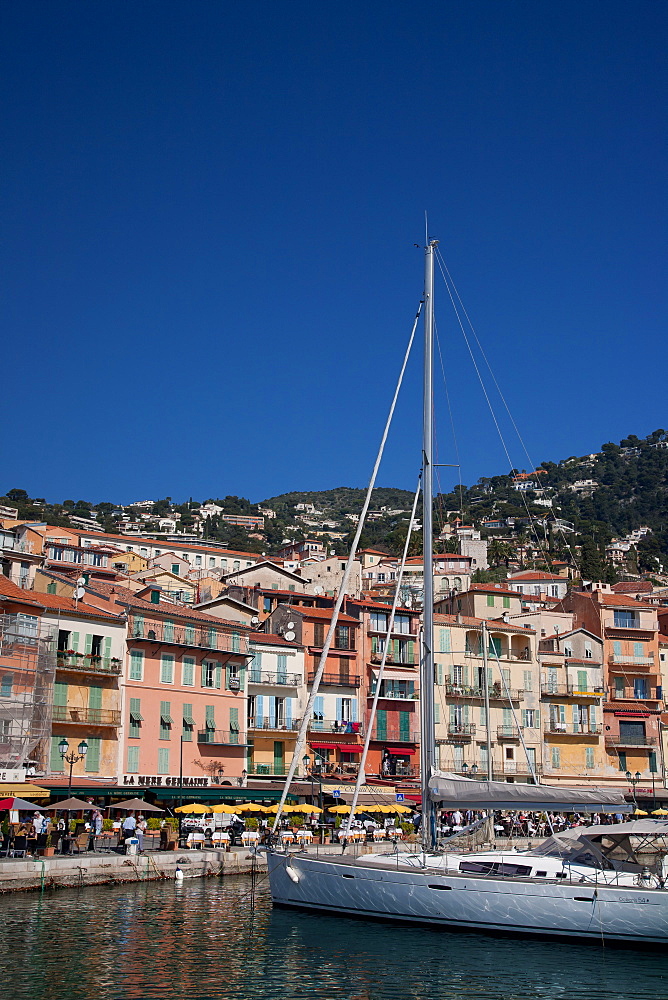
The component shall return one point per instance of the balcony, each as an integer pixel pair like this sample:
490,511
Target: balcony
335,726
277,679
519,767
635,626
165,633
629,694
264,724
396,735
623,742
86,716
88,664
570,729
395,696
507,732
221,737
402,660
268,770
644,663
461,730
338,680
549,690
496,692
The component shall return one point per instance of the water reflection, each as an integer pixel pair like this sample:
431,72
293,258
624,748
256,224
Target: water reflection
201,941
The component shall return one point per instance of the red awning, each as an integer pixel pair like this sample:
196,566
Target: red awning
349,748
324,746
400,753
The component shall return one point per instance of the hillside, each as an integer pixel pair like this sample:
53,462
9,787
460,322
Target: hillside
592,499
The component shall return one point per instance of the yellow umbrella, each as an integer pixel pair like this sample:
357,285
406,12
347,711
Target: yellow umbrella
639,812
340,810
195,809
249,807
660,812
302,807
399,808
222,808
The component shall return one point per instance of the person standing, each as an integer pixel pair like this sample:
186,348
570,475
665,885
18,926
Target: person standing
140,830
129,826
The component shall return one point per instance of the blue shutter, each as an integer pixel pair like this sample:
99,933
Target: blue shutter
272,713
339,708
288,712
353,709
259,711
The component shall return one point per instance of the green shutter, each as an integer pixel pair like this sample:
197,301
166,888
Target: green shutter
234,725
95,696
74,641
89,644
56,762
218,677
60,694
133,760
381,724
163,760
107,646
404,725
93,754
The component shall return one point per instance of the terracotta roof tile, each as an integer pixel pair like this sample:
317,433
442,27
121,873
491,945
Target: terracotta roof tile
496,623
12,592
57,603
128,599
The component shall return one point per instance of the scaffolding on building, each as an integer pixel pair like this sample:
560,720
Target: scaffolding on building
27,672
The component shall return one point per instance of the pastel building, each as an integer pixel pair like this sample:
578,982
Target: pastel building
276,701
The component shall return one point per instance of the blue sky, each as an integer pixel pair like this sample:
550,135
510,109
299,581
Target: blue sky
210,213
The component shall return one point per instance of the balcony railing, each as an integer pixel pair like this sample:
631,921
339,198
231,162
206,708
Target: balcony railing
630,694
633,661
276,770
464,730
613,742
507,732
402,660
270,677
86,716
88,664
496,692
503,654
185,635
571,729
550,690
520,767
338,680
396,735
635,625
396,695
264,723
221,737
335,726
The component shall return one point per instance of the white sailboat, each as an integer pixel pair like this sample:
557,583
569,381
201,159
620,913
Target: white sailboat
586,884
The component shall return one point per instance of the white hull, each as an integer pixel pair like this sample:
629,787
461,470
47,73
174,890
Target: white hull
342,886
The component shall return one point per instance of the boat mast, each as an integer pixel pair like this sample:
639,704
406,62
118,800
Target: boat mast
428,741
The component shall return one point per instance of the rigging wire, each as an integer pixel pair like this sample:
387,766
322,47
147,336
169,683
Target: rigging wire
340,597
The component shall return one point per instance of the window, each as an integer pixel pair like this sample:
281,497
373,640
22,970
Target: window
528,680
133,760
175,569
319,634
188,671
622,761
490,600
444,640
588,651
163,761
138,626
402,623
188,723
568,649
556,757
212,562
136,718
267,603
166,669
378,621
625,619
136,665
506,602
165,721
589,757
529,718
234,725
6,685
198,560
343,638
652,762
210,718
211,674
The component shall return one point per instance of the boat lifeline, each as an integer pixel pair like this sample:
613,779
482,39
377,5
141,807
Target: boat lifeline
580,890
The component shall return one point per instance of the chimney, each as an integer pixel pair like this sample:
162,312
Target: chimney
459,618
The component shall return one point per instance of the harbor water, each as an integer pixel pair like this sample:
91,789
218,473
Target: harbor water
212,938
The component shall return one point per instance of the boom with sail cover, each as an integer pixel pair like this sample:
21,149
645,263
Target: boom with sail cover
467,793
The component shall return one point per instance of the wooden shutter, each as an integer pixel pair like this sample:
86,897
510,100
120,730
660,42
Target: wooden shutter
93,754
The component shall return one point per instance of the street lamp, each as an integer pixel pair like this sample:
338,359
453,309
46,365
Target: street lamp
241,780
633,781
72,758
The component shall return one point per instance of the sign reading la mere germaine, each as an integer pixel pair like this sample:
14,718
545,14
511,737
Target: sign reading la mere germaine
164,781
15,775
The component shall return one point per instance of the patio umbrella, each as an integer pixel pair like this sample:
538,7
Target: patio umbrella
130,805
639,812
194,809
71,805
656,812
221,808
340,810
13,802
249,807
